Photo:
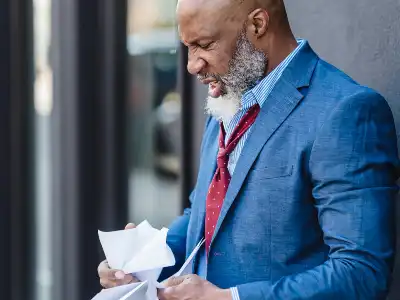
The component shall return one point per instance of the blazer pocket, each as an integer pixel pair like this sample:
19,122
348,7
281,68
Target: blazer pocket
270,172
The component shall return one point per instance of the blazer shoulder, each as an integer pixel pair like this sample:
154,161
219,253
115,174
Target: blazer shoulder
336,88
364,98
333,96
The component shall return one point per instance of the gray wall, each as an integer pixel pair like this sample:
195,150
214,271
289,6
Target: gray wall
362,38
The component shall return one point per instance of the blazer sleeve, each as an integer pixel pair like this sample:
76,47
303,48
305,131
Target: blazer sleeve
176,240
177,233
354,167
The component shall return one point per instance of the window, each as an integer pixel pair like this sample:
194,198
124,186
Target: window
43,97
154,132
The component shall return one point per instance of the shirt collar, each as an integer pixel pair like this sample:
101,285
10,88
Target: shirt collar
260,92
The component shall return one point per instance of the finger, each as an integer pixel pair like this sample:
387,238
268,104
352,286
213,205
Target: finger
134,279
174,281
110,274
107,284
119,275
161,294
168,293
123,278
130,279
130,226
105,271
102,267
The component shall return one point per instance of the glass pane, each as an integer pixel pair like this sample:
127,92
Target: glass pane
43,96
154,112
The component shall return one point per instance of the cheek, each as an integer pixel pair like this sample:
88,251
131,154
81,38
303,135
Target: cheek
218,62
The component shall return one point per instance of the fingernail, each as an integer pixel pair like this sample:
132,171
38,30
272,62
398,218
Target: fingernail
130,226
119,275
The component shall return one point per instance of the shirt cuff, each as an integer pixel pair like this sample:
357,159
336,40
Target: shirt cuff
235,293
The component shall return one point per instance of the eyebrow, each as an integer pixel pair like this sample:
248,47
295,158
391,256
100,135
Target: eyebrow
198,40
192,41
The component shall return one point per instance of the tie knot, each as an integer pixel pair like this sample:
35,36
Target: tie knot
222,158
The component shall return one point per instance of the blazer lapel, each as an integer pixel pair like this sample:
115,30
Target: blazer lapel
280,103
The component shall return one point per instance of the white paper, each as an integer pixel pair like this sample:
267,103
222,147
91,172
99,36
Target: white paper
142,251
187,267
138,293
123,292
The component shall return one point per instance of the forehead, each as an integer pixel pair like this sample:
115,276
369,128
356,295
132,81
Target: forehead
203,19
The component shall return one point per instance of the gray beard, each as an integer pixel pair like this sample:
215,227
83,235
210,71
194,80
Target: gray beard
246,68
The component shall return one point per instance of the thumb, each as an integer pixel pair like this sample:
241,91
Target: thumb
130,226
174,281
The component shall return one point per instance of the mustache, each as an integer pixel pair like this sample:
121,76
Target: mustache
209,75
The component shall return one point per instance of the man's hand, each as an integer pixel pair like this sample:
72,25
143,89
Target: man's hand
111,278
192,287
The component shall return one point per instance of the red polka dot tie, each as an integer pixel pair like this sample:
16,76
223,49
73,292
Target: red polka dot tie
219,184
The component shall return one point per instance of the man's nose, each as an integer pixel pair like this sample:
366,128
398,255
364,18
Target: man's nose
195,65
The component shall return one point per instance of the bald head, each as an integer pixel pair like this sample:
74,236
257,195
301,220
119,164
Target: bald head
211,17
229,40
211,11
229,6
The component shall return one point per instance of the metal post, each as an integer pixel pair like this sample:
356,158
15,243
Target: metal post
90,177
16,85
185,86
5,153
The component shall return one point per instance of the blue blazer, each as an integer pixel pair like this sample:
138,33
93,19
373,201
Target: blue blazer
310,210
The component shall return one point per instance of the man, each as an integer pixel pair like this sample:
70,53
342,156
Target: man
297,182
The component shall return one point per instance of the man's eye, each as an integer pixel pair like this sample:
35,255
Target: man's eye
205,46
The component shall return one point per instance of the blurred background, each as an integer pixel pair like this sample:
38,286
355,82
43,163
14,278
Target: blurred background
101,124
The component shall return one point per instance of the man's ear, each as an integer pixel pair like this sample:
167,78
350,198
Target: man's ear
257,23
